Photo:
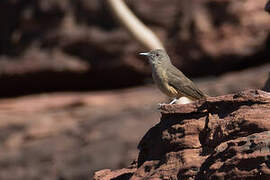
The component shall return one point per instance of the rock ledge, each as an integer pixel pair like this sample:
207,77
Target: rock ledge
225,137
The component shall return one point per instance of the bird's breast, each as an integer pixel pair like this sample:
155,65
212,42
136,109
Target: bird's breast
161,80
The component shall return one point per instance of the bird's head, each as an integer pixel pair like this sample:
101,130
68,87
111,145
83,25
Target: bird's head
157,56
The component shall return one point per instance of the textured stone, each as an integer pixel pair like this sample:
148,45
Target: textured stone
221,137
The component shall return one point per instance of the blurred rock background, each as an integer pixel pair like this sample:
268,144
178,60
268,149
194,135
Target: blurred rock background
75,95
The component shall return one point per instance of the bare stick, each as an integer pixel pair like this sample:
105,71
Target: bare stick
133,25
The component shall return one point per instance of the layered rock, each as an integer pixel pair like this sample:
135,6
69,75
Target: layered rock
71,132
219,138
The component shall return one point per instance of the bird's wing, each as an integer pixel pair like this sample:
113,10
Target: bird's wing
183,85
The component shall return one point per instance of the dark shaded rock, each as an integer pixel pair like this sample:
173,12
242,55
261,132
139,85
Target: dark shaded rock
267,7
244,157
221,137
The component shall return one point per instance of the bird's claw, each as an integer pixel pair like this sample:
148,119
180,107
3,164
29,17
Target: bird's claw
160,105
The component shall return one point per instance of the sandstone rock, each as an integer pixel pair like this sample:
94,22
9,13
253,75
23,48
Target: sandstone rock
71,135
244,157
225,137
108,174
51,136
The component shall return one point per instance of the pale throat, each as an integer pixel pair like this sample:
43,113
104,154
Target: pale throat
156,65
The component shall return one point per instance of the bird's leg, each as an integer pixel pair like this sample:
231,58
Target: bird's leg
160,105
173,101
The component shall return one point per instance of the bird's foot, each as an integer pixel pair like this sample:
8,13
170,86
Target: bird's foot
160,105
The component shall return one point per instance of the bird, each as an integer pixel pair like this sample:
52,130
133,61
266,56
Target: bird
170,80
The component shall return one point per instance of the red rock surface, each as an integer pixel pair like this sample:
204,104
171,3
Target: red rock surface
71,132
70,135
222,137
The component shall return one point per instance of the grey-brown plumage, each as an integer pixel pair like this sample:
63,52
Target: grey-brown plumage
169,79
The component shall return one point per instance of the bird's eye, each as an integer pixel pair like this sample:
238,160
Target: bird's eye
157,55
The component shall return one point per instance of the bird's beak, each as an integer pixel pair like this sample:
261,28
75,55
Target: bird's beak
144,54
